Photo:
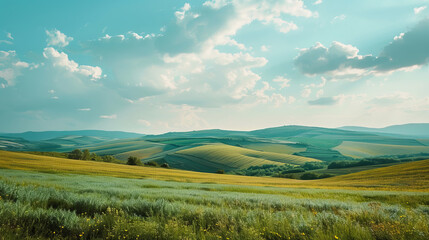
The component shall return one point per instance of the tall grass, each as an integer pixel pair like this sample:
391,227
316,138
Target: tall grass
51,206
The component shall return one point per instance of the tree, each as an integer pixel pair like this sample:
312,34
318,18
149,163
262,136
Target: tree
220,171
309,176
86,155
76,154
165,165
133,161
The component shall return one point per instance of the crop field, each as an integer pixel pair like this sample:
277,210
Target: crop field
413,176
231,157
275,148
360,149
69,206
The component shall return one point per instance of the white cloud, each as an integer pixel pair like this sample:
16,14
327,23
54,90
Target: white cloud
9,35
61,59
184,65
317,2
338,18
283,82
418,10
180,15
144,122
22,64
10,68
113,116
407,52
319,93
84,109
264,48
57,38
306,92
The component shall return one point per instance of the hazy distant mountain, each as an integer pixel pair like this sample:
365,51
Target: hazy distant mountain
45,135
410,129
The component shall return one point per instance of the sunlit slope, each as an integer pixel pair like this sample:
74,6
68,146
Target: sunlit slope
220,156
275,147
122,149
360,149
413,176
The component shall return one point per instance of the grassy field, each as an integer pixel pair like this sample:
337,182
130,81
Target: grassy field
413,176
67,206
210,157
361,149
274,147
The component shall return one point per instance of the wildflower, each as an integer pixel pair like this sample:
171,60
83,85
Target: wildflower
303,234
336,237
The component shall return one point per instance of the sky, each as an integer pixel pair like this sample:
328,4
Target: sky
172,65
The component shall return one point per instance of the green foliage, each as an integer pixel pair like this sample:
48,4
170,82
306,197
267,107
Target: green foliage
364,162
76,154
151,164
133,161
86,155
47,206
313,165
309,176
165,165
220,171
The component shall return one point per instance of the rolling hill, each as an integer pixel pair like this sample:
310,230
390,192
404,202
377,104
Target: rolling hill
415,130
413,176
46,135
211,157
210,150
360,149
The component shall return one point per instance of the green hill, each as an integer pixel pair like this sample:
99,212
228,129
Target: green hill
360,149
211,157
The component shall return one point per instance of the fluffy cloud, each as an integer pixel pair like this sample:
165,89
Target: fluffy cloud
407,51
183,64
61,59
10,68
9,35
57,38
419,9
113,116
144,122
284,82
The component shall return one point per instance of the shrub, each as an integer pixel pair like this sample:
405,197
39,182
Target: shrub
295,170
151,164
76,154
133,161
326,175
220,171
309,176
165,165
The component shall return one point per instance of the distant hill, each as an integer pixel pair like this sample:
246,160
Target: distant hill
46,135
418,130
214,149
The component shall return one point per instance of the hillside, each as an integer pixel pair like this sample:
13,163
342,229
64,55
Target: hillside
360,149
211,157
413,176
46,135
418,130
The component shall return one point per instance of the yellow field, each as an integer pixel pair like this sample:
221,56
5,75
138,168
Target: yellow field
275,148
412,176
242,158
361,149
141,153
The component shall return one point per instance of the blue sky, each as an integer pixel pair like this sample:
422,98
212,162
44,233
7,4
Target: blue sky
159,66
